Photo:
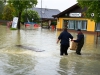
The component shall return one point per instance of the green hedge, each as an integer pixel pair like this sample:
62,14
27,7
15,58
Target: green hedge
13,28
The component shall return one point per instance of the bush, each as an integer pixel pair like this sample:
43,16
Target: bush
13,28
54,23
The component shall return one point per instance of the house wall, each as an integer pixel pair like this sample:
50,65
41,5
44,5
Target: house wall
90,24
59,23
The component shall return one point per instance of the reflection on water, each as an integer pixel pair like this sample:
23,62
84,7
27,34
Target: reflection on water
24,61
18,64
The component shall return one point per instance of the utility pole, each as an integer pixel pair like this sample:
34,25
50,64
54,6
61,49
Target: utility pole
41,13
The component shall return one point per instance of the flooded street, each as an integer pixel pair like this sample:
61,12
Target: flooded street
35,52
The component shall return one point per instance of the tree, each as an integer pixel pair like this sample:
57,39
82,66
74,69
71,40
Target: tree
93,9
8,13
20,6
31,15
1,8
54,23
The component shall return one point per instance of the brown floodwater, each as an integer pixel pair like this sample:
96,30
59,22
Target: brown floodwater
33,51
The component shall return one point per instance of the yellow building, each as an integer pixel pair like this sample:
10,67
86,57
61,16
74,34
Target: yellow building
73,18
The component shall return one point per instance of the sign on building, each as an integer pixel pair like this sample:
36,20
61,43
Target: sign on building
75,14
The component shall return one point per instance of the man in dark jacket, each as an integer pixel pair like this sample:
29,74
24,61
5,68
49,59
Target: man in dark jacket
64,37
80,41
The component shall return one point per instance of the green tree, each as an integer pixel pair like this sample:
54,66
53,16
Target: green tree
93,9
8,13
54,23
20,6
31,15
1,8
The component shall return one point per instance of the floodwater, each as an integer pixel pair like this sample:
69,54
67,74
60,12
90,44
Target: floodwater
16,60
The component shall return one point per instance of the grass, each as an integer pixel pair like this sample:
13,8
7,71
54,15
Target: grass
13,28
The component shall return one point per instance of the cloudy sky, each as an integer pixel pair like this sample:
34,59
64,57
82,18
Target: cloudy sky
56,4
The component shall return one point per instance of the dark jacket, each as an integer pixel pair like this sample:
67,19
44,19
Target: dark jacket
64,37
80,38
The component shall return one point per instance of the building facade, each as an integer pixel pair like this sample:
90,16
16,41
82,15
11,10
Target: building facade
46,15
74,19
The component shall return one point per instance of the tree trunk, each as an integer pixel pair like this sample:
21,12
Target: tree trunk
19,18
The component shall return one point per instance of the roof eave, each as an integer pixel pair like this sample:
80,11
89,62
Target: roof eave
70,8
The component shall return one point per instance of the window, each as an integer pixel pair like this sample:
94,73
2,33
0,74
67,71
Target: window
76,24
84,25
98,26
71,24
65,24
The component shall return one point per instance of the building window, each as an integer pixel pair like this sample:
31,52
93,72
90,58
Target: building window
65,24
98,26
84,25
76,24
81,24
71,24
